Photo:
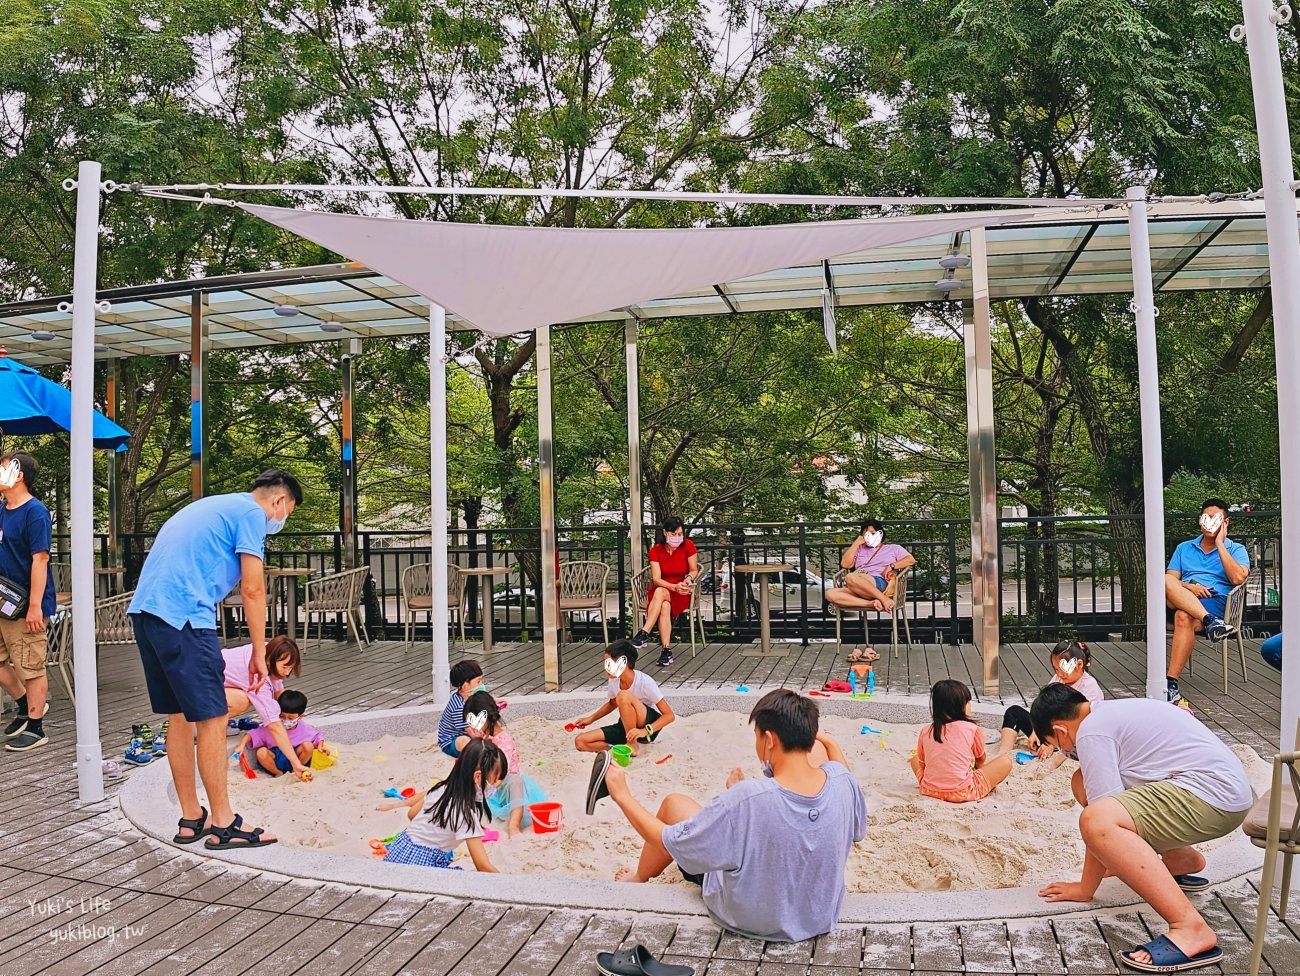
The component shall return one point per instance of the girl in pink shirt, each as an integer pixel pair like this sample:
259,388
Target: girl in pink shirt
949,760
509,801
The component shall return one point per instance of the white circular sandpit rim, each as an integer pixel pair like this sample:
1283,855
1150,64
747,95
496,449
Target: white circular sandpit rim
145,801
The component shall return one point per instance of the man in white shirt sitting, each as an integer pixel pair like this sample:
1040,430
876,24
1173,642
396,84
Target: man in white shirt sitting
1157,781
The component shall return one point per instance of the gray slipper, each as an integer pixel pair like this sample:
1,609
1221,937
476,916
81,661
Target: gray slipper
596,789
637,962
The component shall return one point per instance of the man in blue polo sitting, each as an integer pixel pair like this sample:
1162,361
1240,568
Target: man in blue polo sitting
1200,574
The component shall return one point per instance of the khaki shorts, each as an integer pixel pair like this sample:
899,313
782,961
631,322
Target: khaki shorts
26,652
1168,816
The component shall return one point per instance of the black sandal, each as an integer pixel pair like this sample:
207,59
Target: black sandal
196,825
637,962
235,837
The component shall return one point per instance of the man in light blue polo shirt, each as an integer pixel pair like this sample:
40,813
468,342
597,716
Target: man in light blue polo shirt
200,554
1200,574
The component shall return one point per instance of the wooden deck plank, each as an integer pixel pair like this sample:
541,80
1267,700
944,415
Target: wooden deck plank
548,944
841,946
1082,945
405,943
1034,948
887,948
936,947
600,932
140,955
985,948
494,951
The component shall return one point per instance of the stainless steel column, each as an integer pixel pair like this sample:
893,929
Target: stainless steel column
636,516
546,507
348,348
198,393
114,466
986,580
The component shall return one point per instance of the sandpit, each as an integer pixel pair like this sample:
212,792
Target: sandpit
1024,834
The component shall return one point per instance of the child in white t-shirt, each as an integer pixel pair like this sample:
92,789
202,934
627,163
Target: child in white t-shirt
1070,660
452,812
642,709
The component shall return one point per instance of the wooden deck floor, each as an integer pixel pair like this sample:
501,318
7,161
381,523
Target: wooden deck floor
81,894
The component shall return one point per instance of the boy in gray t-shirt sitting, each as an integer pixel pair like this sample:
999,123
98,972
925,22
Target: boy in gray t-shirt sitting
744,847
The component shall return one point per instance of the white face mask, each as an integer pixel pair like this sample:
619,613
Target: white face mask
873,539
274,525
1212,523
291,723
9,472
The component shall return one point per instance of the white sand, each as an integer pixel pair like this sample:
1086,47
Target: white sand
1024,833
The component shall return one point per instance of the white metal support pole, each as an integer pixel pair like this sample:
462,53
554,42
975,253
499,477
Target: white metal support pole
439,618
85,274
1284,280
1153,477
546,508
636,516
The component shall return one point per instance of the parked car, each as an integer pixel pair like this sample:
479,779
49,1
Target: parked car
784,588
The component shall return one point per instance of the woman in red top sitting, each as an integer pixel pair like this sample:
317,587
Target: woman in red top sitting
674,567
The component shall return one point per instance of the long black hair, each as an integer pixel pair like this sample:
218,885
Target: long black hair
459,806
482,701
948,701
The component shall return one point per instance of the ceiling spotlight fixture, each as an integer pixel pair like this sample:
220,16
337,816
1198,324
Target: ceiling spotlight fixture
42,336
951,262
331,327
286,311
100,347
947,285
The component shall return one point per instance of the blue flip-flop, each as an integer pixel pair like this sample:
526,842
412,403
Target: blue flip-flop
1192,882
1168,958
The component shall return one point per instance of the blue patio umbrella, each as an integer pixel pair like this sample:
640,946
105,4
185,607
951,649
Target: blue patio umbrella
31,404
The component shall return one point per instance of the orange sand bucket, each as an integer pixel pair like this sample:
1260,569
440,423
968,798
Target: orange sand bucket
547,817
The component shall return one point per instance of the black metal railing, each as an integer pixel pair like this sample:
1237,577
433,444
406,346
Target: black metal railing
1060,576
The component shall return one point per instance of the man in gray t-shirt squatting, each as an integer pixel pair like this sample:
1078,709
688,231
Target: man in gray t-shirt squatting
799,821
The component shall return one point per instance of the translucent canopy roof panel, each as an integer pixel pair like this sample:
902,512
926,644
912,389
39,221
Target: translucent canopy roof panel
1193,247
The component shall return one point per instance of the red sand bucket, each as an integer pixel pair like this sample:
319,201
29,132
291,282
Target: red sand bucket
547,817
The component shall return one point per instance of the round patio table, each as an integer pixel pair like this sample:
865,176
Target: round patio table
485,574
765,648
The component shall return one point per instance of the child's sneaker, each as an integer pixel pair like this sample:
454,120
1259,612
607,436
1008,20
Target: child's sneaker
160,740
248,724
136,754
144,733
232,728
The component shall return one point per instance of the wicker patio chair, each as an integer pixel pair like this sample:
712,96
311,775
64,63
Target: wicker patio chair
417,594
858,606
582,589
336,593
643,580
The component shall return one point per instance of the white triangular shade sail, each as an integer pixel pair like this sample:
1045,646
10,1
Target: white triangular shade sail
508,279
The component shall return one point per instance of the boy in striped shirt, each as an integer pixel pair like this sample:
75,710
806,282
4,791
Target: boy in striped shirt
466,678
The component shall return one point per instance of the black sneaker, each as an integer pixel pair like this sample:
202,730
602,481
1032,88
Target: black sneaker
28,740
640,639
665,659
16,728
1218,630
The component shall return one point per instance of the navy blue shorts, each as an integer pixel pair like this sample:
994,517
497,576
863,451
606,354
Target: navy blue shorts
1216,605
281,761
183,669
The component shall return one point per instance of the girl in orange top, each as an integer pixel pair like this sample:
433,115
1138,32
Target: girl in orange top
674,566
949,760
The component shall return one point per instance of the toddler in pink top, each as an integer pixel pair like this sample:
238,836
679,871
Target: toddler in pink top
259,745
511,799
949,760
